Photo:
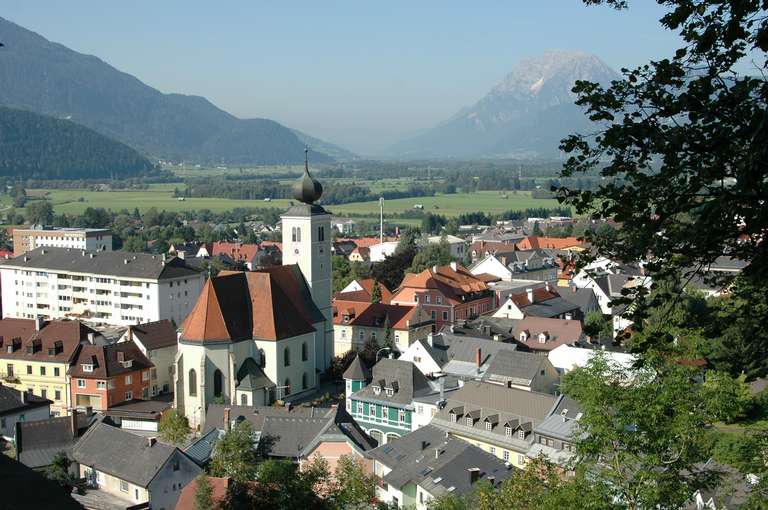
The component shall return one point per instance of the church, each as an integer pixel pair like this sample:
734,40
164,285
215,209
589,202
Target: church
255,337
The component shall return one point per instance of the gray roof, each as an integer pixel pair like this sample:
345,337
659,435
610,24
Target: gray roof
402,377
438,462
201,450
10,401
562,422
550,308
517,367
250,377
584,298
111,263
357,370
611,284
121,454
38,441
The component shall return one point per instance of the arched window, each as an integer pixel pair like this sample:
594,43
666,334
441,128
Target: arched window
304,381
192,382
218,382
287,357
304,352
287,389
321,233
243,399
293,234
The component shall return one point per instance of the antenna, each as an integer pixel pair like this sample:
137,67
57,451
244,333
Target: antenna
381,220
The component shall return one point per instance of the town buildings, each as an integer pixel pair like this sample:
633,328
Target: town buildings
90,239
107,287
157,341
19,406
535,264
538,302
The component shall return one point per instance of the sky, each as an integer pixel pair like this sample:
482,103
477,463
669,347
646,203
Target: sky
361,74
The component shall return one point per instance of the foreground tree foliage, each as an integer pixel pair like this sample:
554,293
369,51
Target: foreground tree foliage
174,427
235,454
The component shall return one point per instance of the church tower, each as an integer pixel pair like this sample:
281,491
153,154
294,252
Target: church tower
307,237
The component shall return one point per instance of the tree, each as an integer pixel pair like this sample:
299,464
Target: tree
203,493
434,254
135,244
285,487
643,431
681,144
174,427
598,325
59,471
537,229
354,489
376,293
235,454
19,196
39,212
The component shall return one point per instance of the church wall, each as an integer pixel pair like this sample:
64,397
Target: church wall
275,366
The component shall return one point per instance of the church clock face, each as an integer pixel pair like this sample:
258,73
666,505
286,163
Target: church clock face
296,251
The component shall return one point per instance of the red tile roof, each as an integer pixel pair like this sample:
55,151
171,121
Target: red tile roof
63,337
236,251
219,488
452,283
554,243
106,360
365,294
557,332
375,315
365,242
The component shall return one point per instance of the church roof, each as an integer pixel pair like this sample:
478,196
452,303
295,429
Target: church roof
271,304
251,377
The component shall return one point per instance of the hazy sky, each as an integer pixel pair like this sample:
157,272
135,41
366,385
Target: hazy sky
358,73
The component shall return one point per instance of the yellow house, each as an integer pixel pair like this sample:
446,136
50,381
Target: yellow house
357,322
35,355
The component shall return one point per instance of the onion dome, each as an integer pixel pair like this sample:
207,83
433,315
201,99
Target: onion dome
307,189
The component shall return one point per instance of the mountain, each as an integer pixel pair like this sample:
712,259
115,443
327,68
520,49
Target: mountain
526,115
51,79
37,146
334,151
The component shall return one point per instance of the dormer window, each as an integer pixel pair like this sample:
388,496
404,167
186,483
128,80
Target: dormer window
470,421
87,367
508,431
542,338
488,426
376,389
523,336
390,392
521,434
453,417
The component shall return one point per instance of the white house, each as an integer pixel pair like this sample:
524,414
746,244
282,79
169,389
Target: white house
109,287
378,252
457,244
565,357
91,239
20,406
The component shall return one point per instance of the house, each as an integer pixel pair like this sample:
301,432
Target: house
448,293
288,432
380,251
357,322
91,239
184,250
19,406
566,357
157,341
343,248
427,464
541,334
109,287
473,358
360,254
356,376
140,415
553,243
343,226
535,264
128,469
364,286
38,442
23,487
36,354
497,419
250,256
584,298
457,245
106,375
538,302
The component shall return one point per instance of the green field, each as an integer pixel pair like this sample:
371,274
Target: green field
161,197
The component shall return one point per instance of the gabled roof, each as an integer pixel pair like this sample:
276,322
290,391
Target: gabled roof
557,243
187,497
367,285
250,377
407,381
37,442
57,341
452,283
546,303
10,401
557,331
269,304
357,370
377,315
516,367
236,251
122,454
155,335
105,360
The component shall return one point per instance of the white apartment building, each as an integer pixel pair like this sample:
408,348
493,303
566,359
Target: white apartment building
108,287
91,239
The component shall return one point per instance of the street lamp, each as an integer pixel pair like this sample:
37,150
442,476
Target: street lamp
382,349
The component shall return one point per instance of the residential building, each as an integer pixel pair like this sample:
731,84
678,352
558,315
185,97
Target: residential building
448,293
343,226
553,437
457,245
129,469
295,433
106,375
536,265
90,239
497,419
38,442
584,298
538,302
141,416
380,251
19,406
35,356
566,357
540,334
357,322
427,464
552,243
157,341
356,376
360,254
361,289
116,288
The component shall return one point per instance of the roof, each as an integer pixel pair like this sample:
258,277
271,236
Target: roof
364,241
439,463
454,282
155,335
57,341
377,315
269,304
250,377
288,431
562,421
557,243
236,251
122,454
10,401
367,285
566,357
142,409
402,377
110,263
515,366
357,370
556,331
109,360
38,441
23,487
546,303
219,488
584,298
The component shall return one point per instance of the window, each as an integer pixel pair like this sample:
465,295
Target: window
445,316
359,408
520,459
439,299
304,352
81,383
44,393
349,385
287,357
57,395
304,381
469,421
508,431
128,379
29,369
42,370
123,486
427,299
56,371
453,417
9,370
101,385
128,395
493,450
145,375
434,314
192,382
217,383
243,399
521,434
419,409
506,455
401,416
372,410
87,367
321,233
488,426
385,412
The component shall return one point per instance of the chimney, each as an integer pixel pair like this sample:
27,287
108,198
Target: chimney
479,357
474,474
151,441
574,289
227,422
92,341
547,286
454,265
430,339
73,423
129,334
437,453
529,294
39,321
